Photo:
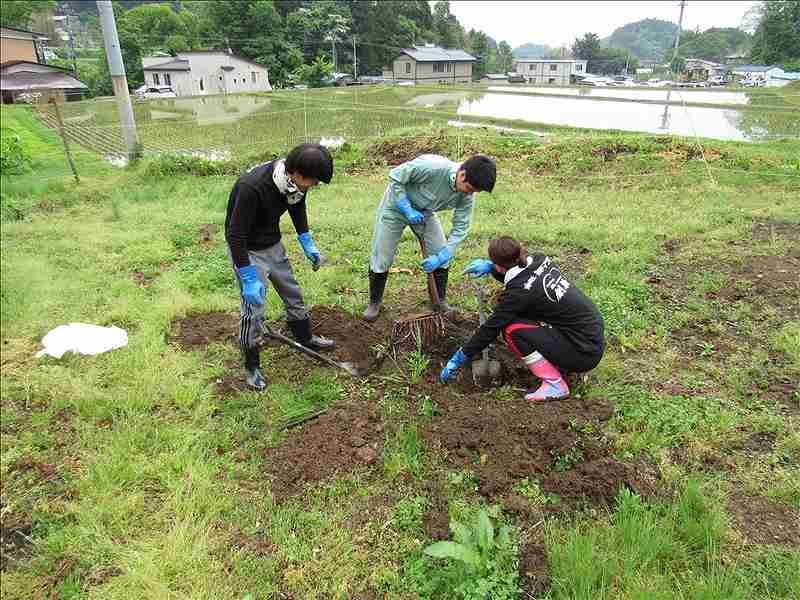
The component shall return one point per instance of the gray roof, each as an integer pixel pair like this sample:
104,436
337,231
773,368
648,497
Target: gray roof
753,68
27,80
436,54
176,64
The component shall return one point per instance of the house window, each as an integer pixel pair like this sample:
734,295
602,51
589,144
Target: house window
437,68
167,79
554,67
448,67
579,67
408,67
201,84
156,79
531,67
253,75
551,80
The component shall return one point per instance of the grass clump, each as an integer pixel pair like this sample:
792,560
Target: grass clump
642,549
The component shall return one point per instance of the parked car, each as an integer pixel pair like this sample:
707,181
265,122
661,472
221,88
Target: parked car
717,81
516,78
622,81
148,93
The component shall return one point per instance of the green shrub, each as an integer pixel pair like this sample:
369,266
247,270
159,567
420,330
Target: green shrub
14,159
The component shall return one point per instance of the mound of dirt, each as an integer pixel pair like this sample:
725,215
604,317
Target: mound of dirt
345,439
396,151
557,442
198,330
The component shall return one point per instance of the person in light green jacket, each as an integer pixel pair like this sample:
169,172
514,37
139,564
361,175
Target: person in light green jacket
417,190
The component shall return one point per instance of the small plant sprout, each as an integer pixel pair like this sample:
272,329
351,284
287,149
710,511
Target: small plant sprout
418,363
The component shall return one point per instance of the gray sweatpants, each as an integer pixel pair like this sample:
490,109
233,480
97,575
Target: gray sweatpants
272,265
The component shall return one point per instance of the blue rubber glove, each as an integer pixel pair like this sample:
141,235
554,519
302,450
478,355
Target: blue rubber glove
310,248
479,267
412,214
437,260
253,291
453,365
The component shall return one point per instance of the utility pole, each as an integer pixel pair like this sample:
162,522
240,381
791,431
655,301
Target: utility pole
118,78
355,61
677,36
72,43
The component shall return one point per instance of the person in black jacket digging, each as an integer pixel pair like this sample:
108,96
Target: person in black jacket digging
547,321
252,229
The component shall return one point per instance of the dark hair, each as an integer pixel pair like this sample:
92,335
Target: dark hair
507,252
480,172
311,160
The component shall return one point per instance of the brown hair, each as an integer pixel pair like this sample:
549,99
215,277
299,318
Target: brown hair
507,252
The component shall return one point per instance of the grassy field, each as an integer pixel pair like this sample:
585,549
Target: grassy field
148,472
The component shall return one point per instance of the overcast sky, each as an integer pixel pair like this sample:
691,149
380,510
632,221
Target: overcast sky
557,23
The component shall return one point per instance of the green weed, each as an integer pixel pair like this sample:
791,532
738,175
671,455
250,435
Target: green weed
481,563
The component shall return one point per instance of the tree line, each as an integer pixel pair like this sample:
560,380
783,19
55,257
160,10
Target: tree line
299,41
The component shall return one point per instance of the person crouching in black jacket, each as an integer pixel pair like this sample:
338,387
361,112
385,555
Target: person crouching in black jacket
546,320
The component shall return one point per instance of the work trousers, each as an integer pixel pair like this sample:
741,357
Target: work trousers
531,340
389,226
272,265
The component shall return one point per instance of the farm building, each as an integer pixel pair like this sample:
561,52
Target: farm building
553,72
700,69
431,64
198,73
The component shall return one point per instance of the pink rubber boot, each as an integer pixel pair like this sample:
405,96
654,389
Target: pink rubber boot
553,385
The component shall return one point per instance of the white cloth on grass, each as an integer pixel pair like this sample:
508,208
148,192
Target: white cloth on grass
83,339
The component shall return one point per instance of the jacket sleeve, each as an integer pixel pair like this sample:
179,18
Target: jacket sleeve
240,223
498,276
299,216
504,314
414,171
462,220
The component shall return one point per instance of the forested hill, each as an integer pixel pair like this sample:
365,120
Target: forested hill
646,39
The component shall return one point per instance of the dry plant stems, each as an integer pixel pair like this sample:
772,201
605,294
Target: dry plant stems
423,328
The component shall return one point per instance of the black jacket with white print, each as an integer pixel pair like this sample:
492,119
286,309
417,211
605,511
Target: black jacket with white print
539,292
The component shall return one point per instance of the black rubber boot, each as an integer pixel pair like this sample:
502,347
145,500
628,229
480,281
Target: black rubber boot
377,285
252,370
440,277
301,330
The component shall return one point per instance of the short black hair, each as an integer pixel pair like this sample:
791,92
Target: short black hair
480,172
311,160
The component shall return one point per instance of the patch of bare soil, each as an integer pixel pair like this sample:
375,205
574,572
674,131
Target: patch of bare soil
347,438
207,234
258,544
762,521
770,230
557,442
759,442
354,337
198,330
15,541
144,279
534,571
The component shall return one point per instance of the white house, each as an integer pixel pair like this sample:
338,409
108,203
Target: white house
553,72
197,73
431,64
758,73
